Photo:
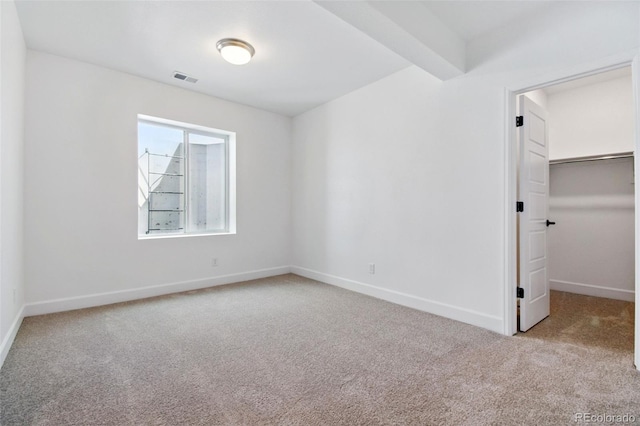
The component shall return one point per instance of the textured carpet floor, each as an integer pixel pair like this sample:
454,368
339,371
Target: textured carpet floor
588,321
287,350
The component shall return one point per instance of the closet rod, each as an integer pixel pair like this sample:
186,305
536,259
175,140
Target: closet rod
592,158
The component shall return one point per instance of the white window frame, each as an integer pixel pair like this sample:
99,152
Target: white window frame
230,171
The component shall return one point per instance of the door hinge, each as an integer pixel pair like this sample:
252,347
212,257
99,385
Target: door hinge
519,121
519,206
520,292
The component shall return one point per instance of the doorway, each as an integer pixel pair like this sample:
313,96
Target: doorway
511,306
584,128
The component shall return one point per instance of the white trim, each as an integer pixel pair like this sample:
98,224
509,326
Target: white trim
167,236
230,173
181,125
510,218
592,290
609,63
635,80
99,299
468,316
10,337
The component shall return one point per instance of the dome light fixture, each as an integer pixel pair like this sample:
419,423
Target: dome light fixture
235,51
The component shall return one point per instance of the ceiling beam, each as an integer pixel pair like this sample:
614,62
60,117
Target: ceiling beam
408,28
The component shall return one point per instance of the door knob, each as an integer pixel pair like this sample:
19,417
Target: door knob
550,223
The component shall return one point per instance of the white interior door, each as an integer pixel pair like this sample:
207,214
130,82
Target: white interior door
534,192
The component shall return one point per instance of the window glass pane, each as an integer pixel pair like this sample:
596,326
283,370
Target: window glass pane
159,139
162,222
207,183
183,179
160,179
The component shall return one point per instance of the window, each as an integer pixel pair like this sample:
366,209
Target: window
186,179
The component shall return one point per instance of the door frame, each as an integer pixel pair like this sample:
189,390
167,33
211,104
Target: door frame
624,59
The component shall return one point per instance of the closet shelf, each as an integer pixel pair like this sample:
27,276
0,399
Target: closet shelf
592,158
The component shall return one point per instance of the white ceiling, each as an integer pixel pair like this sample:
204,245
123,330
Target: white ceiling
473,19
306,55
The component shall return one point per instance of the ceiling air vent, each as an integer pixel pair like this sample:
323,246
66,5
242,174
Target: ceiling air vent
182,76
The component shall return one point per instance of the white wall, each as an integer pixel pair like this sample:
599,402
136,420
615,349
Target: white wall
12,63
81,213
409,173
591,249
378,179
595,119
538,96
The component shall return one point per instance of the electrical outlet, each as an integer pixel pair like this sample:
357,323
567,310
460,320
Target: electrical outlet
214,262
372,268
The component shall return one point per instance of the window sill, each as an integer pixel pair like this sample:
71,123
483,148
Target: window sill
203,234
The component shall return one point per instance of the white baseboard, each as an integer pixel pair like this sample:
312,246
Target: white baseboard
468,316
81,302
592,290
11,335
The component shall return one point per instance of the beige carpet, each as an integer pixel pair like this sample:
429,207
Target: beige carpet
588,321
291,351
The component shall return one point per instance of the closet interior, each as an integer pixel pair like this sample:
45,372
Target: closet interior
590,248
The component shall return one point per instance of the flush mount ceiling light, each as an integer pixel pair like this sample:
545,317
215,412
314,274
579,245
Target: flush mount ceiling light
235,51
